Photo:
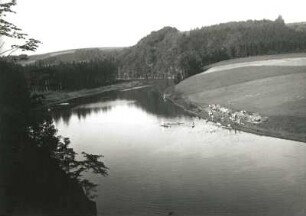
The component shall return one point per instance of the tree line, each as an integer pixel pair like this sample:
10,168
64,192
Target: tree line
166,54
70,76
169,53
39,171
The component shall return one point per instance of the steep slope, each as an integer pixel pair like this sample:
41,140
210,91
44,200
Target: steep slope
154,56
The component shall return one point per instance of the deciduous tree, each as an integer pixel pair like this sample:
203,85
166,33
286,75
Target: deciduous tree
10,30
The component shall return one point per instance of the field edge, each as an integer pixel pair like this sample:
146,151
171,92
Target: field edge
269,127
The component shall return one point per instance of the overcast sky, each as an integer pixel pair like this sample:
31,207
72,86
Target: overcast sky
70,24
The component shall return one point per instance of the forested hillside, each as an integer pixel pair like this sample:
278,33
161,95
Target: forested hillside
70,76
165,54
69,56
170,53
154,56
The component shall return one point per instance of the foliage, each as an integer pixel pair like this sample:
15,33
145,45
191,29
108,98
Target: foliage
29,133
166,54
8,29
152,57
35,127
35,163
74,56
43,134
170,53
70,76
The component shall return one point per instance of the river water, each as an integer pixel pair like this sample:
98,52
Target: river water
194,168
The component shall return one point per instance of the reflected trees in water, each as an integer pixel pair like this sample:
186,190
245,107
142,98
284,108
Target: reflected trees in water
148,99
39,172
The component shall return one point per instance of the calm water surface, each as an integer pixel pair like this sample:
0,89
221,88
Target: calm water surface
182,170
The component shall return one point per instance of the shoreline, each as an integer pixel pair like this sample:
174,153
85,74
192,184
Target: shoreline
53,98
268,126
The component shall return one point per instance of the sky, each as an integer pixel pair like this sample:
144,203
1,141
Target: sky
71,24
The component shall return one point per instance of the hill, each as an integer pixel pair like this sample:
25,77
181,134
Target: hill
156,56
169,53
68,56
273,90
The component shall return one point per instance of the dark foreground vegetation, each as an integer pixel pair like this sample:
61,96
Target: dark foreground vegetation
39,172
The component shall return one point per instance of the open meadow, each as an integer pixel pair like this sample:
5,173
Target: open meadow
274,87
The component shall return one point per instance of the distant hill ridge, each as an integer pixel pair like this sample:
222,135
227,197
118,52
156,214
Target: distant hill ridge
169,53
73,55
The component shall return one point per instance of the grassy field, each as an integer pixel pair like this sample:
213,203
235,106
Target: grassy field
258,58
272,88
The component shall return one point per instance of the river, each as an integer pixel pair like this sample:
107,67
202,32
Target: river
191,168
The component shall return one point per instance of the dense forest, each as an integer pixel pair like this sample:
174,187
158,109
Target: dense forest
68,56
70,76
169,53
164,54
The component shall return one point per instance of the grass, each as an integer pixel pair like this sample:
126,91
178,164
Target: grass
277,92
258,58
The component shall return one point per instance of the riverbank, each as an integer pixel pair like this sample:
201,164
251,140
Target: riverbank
266,126
265,97
58,97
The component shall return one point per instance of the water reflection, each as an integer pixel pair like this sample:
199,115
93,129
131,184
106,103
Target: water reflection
148,100
32,181
184,170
